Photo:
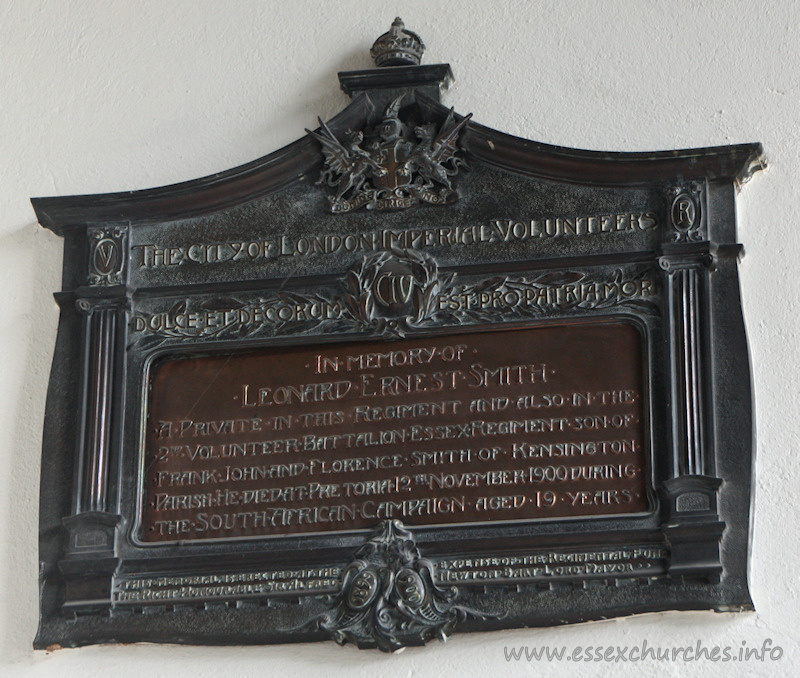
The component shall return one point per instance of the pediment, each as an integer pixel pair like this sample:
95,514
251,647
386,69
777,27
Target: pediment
300,162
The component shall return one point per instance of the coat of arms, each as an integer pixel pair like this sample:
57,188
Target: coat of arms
393,165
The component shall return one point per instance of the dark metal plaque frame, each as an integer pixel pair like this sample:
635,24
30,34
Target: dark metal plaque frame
182,270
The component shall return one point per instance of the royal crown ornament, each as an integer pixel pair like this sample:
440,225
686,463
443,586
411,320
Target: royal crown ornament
398,47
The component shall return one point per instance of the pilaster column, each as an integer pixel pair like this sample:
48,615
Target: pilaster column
686,272
89,554
692,525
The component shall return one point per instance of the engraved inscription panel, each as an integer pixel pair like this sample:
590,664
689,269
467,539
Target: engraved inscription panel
520,424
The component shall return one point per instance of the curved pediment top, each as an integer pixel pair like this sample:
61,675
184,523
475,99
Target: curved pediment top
199,196
483,144
735,163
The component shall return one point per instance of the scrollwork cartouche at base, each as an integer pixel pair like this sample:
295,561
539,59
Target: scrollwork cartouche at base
388,597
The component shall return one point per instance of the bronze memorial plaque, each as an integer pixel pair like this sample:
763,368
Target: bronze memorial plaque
522,424
406,376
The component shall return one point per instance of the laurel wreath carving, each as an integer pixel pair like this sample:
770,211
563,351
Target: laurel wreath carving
359,312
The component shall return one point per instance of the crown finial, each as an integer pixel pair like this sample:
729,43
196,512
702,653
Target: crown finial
398,47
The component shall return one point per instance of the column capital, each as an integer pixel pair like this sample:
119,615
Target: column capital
680,256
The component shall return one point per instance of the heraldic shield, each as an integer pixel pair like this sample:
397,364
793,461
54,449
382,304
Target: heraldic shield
393,165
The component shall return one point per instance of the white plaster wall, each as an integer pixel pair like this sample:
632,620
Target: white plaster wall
107,95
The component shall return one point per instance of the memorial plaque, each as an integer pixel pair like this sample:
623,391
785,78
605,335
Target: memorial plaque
435,431
406,376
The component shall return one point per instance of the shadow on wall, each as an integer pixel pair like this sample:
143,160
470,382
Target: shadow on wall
35,338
